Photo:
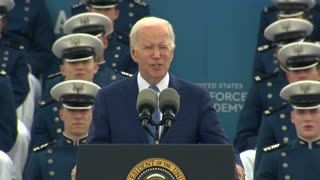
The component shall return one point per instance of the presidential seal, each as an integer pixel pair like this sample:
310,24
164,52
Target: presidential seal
156,169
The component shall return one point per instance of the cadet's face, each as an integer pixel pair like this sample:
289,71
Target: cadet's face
307,123
76,122
79,70
153,53
306,74
112,13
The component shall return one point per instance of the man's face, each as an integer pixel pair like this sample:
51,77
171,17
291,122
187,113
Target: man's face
306,74
307,123
153,52
76,122
112,13
79,70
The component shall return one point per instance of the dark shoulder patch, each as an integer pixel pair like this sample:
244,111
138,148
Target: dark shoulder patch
14,45
263,77
274,147
43,146
275,109
46,102
270,9
140,3
51,76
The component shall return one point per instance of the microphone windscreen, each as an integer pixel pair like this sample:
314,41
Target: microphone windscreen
169,99
147,98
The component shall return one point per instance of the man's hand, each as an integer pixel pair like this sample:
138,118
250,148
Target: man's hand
240,172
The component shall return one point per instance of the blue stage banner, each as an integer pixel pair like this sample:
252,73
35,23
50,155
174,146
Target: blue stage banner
215,46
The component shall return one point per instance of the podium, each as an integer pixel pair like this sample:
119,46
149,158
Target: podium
156,162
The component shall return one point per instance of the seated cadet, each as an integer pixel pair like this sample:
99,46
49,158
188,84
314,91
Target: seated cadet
13,60
31,28
117,54
56,159
77,51
298,158
263,93
131,12
276,127
303,9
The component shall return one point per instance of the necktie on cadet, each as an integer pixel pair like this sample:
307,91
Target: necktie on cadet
155,116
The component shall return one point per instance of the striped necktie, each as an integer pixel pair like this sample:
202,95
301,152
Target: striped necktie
155,115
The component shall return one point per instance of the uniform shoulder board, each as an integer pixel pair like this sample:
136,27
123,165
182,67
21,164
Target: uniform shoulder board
46,102
274,147
269,9
14,45
124,39
79,4
275,109
3,73
265,47
139,2
123,73
263,77
51,76
43,146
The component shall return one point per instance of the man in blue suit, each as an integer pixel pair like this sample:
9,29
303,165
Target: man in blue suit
115,118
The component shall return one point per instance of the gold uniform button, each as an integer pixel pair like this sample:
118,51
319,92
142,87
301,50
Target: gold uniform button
118,48
285,165
285,139
131,5
287,177
4,65
26,9
6,52
52,173
49,151
113,77
59,130
269,84
282,116
269,96
114,64
116,56
26,19
55,109
5,58
284,128
50,161
56,119
131,14
283,154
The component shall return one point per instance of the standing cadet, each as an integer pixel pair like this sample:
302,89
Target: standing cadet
300,59
118,54
78,52
56,159
299,158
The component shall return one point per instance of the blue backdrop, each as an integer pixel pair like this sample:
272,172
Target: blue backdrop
215,46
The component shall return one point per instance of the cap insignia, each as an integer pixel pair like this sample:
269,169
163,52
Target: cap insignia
298,50
285,27
78,88
85,20
305,88
75,42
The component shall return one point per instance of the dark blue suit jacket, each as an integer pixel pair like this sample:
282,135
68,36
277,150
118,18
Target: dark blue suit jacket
116,120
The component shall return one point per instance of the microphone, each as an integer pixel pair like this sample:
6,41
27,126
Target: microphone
169,103
147,102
